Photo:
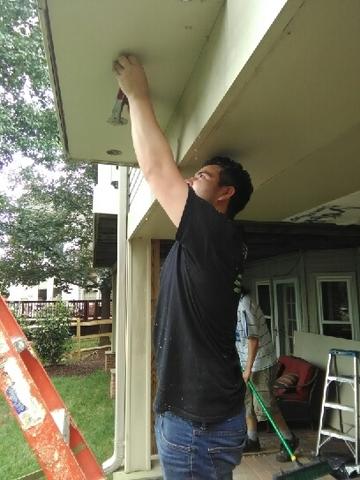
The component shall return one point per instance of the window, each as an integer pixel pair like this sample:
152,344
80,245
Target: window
264,300
56,292
334,305
42,294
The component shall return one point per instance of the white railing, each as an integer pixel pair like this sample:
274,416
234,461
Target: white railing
135,179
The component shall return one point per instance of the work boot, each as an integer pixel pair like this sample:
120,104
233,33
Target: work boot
283,455
252,446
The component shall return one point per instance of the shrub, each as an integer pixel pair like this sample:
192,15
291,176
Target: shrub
51,336
24,324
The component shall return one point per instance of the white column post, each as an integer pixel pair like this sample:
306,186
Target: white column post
138,358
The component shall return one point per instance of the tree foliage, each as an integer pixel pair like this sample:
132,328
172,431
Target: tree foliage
27,116
46,230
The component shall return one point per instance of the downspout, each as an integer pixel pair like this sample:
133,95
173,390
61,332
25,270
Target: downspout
117,459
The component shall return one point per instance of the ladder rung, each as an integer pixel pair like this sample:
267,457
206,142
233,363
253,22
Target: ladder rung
338,406
342,379
337,434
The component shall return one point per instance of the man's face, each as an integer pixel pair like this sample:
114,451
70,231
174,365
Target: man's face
205,183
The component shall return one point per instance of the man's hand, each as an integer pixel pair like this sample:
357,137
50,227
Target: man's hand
246,374
131,77
152,149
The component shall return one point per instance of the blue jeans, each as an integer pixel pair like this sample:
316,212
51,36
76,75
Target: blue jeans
199,451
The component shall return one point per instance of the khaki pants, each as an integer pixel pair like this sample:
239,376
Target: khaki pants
263,381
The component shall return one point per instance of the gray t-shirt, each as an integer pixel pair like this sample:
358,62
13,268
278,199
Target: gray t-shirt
252,323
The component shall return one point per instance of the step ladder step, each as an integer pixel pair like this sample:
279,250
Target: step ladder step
329,432
339,406
343,379
346,353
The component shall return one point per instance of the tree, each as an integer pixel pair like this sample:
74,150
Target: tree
46,230
27,116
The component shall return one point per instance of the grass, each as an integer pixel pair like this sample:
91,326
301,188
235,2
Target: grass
87,399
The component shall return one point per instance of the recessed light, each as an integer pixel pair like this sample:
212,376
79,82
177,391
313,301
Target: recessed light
113,151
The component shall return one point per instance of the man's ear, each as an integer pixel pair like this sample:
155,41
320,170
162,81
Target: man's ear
227,193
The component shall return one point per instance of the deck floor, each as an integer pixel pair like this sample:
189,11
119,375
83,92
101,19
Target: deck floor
260,466
263,465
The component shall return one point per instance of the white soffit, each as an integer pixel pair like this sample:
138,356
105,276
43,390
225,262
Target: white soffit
83,37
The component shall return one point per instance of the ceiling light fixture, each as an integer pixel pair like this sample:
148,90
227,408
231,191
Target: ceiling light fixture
113,151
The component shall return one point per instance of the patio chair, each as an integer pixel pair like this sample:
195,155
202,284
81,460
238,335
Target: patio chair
294,390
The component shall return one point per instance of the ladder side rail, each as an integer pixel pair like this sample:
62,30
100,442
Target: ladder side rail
356,407
35,420
31,396
333,354
9,322
50,395
53,401
38,373
318,445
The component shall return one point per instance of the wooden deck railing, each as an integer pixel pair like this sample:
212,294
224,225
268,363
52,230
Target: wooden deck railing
83,309
85,323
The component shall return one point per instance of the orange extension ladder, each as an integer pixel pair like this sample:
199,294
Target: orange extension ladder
43,418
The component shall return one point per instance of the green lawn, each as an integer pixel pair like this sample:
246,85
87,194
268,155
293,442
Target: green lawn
88,400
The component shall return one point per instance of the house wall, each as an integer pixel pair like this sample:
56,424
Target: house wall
306,267
21,292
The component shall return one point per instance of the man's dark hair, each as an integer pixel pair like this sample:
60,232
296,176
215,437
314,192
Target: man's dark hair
233,174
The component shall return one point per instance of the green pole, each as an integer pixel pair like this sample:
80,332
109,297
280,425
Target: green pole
271,420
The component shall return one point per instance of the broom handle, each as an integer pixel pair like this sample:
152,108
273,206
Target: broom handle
271,420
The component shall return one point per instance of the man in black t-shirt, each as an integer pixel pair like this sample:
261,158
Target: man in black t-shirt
200,424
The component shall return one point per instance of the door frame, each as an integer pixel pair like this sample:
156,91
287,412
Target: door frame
283,281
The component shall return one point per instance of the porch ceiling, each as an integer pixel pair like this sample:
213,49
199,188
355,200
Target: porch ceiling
83,37
294,123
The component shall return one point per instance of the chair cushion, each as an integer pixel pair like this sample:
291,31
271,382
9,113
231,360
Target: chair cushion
285,382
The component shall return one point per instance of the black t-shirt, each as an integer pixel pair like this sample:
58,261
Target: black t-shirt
198,368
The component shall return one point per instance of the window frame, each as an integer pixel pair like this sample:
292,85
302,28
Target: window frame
298,310
348,278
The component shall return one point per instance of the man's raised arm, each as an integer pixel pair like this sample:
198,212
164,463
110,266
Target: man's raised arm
152,149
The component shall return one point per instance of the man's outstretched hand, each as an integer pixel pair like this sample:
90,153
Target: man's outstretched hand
131,77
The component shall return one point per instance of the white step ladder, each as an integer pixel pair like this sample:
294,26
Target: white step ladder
349,435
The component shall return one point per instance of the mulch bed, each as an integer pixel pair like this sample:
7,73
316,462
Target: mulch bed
88,364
